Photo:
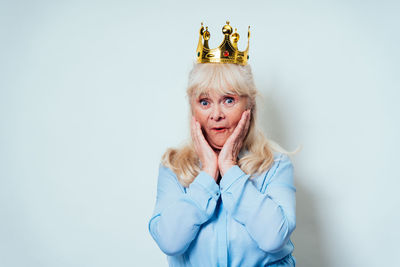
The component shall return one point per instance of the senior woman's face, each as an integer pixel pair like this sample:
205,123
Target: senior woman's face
218,115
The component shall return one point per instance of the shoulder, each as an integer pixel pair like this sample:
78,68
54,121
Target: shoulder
279,172
282,166
162,168
167,178
166,172
280,157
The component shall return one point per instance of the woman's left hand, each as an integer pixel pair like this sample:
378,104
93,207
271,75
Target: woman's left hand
227,157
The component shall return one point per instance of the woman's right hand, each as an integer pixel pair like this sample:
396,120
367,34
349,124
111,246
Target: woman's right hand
207,156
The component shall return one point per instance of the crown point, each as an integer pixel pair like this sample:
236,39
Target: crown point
227,22
235,37
206,34
227,29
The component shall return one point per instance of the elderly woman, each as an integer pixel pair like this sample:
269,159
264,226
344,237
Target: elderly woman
227,197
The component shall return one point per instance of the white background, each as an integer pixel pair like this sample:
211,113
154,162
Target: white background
93,92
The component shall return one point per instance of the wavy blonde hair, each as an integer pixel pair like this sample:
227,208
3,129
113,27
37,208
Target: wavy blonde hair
224,79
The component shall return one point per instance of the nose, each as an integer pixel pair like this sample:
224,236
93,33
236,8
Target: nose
217,113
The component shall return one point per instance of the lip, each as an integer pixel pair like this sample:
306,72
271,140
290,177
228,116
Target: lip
219,129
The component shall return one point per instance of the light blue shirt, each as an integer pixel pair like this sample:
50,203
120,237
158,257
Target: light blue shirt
241,222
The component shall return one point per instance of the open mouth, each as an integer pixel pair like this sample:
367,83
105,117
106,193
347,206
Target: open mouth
219,130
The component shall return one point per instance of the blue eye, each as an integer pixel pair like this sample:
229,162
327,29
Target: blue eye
229,100
203,102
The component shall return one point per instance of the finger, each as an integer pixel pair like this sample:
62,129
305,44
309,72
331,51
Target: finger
192,130
194,134
243,132
200,134
191,126
203,141
246,127
239,127
197,132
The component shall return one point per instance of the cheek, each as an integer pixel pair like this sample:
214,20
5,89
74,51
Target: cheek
236,116
200,116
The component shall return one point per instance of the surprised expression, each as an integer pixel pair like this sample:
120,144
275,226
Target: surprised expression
218,115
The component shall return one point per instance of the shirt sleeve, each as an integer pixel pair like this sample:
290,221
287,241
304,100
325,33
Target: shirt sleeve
179,213
269,217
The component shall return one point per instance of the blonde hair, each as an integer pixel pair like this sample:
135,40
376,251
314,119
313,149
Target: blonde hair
223,79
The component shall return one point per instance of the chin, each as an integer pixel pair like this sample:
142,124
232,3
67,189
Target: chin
218,145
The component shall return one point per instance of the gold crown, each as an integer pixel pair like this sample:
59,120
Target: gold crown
226,52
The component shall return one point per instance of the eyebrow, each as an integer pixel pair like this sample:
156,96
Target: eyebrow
204,95
226,94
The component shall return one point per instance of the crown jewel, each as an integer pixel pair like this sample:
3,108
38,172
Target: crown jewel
226,52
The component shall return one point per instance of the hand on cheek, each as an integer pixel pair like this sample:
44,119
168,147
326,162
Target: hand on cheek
206,154
227,157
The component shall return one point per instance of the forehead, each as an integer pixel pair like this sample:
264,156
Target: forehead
215,92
